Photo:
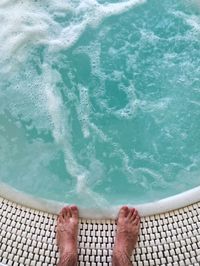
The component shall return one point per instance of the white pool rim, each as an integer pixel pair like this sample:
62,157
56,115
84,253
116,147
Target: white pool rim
165,205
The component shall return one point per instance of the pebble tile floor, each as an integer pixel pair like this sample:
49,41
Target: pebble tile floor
27,237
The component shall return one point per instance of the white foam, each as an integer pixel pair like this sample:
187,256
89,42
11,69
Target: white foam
192,20
53,102
62,135
194,3
195,102
59,118
129,111
27,26
84,110
31,23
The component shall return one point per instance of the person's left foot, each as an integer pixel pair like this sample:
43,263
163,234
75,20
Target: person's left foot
128,224
66,235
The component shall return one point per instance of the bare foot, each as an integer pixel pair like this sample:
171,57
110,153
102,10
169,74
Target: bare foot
128,225
66,236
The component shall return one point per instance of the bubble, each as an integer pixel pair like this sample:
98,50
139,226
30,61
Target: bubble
99,99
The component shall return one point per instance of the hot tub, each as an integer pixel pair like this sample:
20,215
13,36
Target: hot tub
100,104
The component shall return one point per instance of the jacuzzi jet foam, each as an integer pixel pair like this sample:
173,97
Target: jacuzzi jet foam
84,110
99,101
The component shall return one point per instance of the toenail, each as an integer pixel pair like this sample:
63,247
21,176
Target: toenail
73,207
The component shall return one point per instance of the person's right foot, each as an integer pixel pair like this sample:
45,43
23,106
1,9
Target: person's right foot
128,225
66,235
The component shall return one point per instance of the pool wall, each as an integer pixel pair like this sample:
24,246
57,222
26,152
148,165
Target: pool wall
165,205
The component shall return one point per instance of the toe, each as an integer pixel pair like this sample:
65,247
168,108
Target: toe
70,212
136,221
62,214
59,218
74,212
66,212
59,222
123,212
131,212
134,215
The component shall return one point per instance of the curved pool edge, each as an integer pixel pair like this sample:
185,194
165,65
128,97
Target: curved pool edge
26,229
165,205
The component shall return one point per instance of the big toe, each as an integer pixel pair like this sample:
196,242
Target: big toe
123,212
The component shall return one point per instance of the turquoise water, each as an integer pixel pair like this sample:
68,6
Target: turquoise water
100,100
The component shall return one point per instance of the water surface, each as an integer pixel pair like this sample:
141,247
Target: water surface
100,100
